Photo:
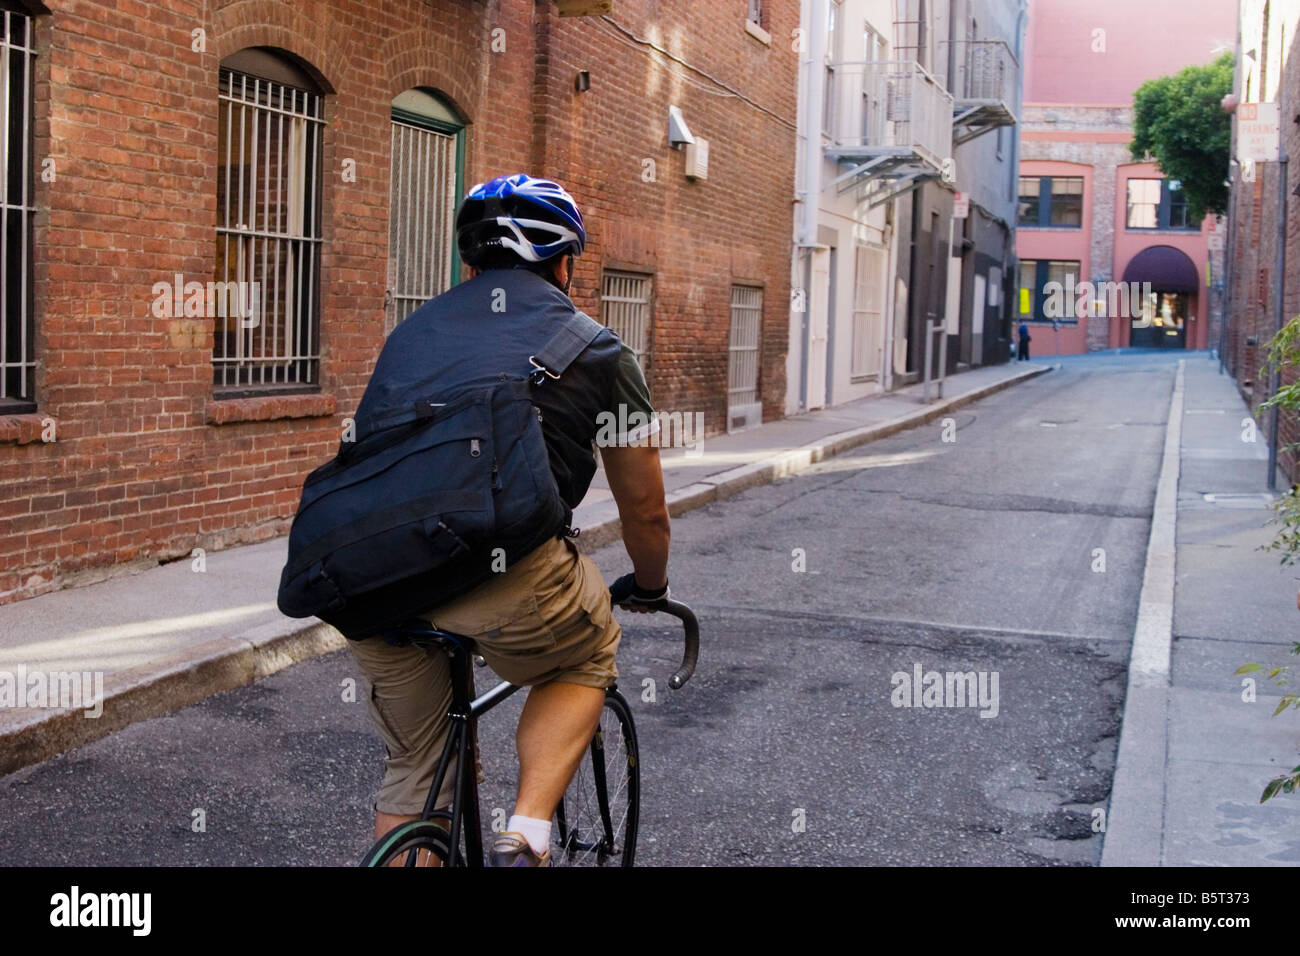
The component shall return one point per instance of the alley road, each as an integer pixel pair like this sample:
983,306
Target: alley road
983,554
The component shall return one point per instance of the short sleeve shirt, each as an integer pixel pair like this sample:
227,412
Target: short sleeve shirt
630,408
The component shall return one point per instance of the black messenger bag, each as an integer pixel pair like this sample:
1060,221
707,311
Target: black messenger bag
413,512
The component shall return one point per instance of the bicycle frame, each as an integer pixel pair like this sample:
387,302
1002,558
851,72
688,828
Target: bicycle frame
463,741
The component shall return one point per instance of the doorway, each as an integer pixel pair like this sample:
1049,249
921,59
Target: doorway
1163,322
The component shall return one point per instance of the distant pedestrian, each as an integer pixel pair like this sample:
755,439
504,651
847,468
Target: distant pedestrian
1023,350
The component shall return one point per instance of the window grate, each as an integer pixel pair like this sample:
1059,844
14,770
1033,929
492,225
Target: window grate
625,308
422,210
742,377
17,211
268,234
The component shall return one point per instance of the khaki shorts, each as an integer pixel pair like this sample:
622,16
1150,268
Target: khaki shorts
547,618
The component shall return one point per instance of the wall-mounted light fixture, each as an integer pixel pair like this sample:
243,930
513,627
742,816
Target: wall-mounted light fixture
679,134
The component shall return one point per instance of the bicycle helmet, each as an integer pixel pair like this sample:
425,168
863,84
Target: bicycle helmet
536,219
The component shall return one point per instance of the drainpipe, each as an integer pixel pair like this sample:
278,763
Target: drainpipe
1279,280
1226,300
814,97
1229,252
1021,27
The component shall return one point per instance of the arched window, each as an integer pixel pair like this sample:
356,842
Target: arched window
267,303
425,184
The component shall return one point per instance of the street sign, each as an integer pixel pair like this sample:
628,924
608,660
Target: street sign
961,206
1257,132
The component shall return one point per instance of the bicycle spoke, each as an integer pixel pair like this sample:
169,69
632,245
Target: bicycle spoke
590,829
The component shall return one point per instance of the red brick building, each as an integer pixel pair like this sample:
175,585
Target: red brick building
311,153
1268,72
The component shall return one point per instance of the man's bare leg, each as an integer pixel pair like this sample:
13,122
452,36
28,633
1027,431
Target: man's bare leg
555,728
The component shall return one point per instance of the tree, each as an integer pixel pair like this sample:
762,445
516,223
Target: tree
1179,120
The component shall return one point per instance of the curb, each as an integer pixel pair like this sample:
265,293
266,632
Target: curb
1135,816
196,673
170,683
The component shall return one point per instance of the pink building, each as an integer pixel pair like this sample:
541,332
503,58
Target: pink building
1108,255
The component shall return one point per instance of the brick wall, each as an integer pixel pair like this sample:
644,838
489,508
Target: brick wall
146,464
1251,321
696,237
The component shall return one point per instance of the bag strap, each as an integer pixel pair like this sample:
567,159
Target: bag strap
576,332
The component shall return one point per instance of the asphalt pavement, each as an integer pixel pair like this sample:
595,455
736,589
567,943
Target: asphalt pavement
1005,540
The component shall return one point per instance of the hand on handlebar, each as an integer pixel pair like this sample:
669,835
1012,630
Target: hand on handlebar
626,593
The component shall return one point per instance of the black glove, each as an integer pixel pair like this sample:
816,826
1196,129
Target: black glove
627,593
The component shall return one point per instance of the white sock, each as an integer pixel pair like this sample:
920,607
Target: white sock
536,832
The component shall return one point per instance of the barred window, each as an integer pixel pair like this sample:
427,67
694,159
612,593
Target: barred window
743,406
625,308
268,227
424,184
18,334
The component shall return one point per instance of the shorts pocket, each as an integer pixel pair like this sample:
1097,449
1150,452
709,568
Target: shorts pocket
526,634
396,742
593,594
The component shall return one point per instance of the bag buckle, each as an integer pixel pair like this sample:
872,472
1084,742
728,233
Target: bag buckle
540,373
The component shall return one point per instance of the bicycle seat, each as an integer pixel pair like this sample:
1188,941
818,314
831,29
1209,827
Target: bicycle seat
419,633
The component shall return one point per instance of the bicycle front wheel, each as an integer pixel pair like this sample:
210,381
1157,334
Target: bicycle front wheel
596,821
418,843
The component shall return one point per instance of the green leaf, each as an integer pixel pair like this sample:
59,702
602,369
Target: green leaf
1271,789
1248,669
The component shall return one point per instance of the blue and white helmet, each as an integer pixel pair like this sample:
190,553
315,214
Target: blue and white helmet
536,219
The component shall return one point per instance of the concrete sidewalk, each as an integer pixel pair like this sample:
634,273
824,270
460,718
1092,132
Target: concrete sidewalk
1194,755
174,634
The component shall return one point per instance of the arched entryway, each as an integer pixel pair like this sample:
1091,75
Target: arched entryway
1165,283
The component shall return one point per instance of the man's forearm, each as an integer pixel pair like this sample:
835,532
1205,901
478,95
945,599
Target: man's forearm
646,539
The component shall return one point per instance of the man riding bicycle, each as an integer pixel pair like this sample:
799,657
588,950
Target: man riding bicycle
545,621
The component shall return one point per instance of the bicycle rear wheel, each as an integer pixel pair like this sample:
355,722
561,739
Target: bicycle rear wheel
596,821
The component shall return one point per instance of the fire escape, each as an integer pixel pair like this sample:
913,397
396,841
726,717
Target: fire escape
892,124
889,121
985,74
